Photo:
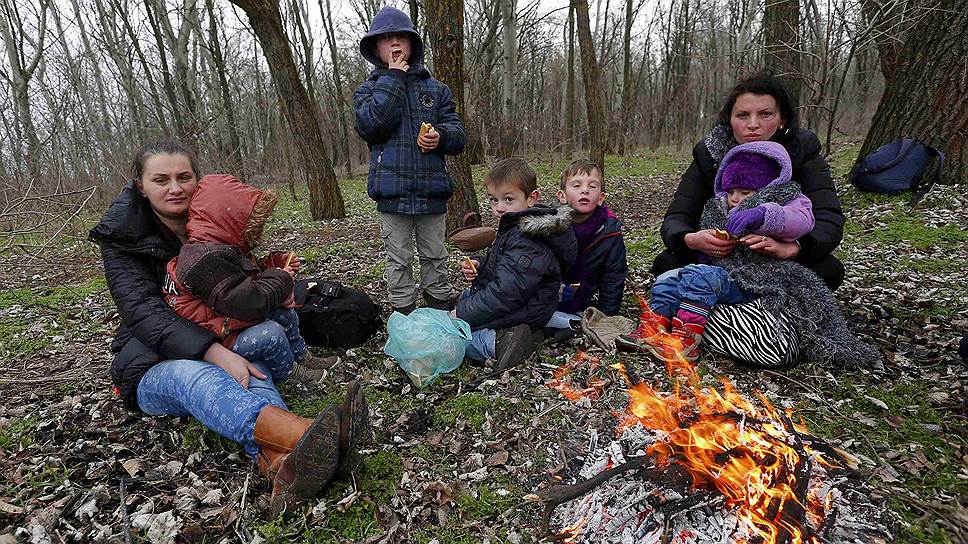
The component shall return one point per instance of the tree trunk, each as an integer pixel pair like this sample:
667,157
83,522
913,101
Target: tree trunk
508,136
925,98
781,38
167,83
445,19
626,128
885,17
22,68
592,80
325,200
570,83
343,145
234,143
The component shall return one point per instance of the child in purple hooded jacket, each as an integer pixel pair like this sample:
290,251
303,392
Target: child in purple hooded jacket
682,298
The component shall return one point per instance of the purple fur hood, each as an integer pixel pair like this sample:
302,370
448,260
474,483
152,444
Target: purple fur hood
768,149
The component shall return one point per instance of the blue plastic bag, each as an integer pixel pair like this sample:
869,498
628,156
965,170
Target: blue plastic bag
426,343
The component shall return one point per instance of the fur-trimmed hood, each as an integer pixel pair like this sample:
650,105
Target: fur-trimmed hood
226,211
543,221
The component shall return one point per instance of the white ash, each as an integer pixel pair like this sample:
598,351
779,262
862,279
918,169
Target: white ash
624,510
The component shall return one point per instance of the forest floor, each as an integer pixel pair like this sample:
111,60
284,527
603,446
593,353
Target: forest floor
451,464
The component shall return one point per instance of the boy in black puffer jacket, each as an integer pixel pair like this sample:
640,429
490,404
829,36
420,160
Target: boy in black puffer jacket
515,288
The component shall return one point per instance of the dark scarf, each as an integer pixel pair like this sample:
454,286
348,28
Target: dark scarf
585,233
790,288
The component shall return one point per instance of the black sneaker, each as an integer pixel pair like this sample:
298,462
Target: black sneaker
405,310
439,304
513,346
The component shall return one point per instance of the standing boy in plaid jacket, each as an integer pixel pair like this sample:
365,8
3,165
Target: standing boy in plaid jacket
408,175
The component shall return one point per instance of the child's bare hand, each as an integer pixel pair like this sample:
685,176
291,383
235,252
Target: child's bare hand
429,141
294,265
469,269
397,61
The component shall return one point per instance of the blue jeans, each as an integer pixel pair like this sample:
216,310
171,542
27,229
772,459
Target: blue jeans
183,387
700,284
481,345
275,342
561,320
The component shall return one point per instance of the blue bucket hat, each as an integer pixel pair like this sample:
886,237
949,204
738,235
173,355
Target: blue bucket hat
390,20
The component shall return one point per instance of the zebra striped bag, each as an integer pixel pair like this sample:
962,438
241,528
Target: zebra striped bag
752,335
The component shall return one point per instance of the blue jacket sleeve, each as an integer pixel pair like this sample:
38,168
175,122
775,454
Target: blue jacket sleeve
379,107
612,286
516,279
453,137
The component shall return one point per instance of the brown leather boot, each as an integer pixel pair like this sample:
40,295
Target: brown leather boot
299,455
353,430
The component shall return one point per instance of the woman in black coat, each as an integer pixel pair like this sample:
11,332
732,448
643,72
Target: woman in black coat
759,108
166,365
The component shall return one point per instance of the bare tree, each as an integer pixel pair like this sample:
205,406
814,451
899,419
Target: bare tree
14,30
925,97
325,200
232,125
341,105
445,19
508,89
781,29
592,81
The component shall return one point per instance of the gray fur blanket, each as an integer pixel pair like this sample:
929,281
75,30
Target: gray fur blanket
789,287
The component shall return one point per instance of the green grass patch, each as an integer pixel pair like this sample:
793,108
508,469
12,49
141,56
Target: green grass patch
197,437
487,502
53,297
471,408
380,475
916,233
900,428
842,160
932,265
17,433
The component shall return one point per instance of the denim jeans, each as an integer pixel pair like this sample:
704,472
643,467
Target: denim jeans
200,389
275,342
182,387
562,320
481,345
702,284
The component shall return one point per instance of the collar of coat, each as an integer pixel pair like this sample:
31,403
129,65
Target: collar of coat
539,221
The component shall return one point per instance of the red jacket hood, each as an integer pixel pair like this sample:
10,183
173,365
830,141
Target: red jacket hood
221,211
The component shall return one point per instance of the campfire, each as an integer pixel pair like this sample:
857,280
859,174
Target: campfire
705,464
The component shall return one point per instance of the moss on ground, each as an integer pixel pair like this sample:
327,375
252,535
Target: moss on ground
472,408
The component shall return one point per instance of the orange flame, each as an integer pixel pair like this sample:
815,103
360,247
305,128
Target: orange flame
560,379
743,449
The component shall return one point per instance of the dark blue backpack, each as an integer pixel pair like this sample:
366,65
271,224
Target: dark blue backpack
897,167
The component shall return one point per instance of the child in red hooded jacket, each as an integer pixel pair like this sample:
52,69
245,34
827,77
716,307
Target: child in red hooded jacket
216,281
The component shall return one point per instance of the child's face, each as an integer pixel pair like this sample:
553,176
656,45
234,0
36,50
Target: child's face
583,192
393,44
507,197
735,196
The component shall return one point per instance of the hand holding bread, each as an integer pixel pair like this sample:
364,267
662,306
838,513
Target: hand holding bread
427,138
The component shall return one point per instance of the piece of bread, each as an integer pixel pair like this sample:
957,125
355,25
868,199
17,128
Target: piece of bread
723,235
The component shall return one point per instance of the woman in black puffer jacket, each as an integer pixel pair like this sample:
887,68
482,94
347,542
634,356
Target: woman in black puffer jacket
167,365
759,108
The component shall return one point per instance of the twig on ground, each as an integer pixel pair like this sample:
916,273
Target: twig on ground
555,495
124,513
